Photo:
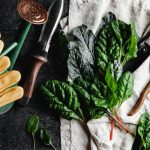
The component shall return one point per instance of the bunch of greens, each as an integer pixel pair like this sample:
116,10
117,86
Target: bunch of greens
95,68
33,128
143,131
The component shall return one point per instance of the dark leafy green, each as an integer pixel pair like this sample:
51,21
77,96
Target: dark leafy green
143,131
132,48
116,44
125,86
90,98
108,17
70,99
32,126
46,138
116,41
62,97
81,56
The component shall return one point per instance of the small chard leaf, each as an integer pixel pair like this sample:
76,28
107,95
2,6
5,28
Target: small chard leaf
81,55
62,98
112,84
46,138
33,124
143,130
125,86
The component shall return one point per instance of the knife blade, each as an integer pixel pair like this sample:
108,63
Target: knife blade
39,57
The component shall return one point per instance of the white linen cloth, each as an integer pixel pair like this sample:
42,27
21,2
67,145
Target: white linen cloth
74,135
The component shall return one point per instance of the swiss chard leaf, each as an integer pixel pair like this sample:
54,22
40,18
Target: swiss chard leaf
62,98
33,124
32,127
46,138
125,86
90,93
132,44
90,97
81,55
144,131
115,41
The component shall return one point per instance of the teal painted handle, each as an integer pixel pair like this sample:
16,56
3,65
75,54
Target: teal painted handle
9,48
14,54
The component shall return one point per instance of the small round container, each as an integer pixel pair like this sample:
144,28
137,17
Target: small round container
32,11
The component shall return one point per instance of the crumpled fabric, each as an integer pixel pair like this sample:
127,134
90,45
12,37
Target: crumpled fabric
74,135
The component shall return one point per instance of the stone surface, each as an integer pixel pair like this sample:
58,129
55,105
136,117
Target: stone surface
13,135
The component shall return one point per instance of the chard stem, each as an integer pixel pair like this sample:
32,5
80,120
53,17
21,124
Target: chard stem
121,125
53,147
33,141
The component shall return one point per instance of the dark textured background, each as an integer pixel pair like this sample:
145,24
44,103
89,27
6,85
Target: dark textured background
12,124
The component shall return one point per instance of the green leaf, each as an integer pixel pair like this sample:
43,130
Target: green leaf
91,98
45,137
132,48
62,98
33,124
116,41
143,131
125,86
81,55
112,100
112,84
116,28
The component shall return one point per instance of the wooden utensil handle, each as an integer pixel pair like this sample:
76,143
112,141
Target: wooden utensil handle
36,64
140,101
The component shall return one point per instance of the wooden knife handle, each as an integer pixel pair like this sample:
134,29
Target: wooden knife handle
36,63
140,101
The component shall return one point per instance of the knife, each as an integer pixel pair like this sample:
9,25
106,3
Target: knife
39,57
145,49
142,55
